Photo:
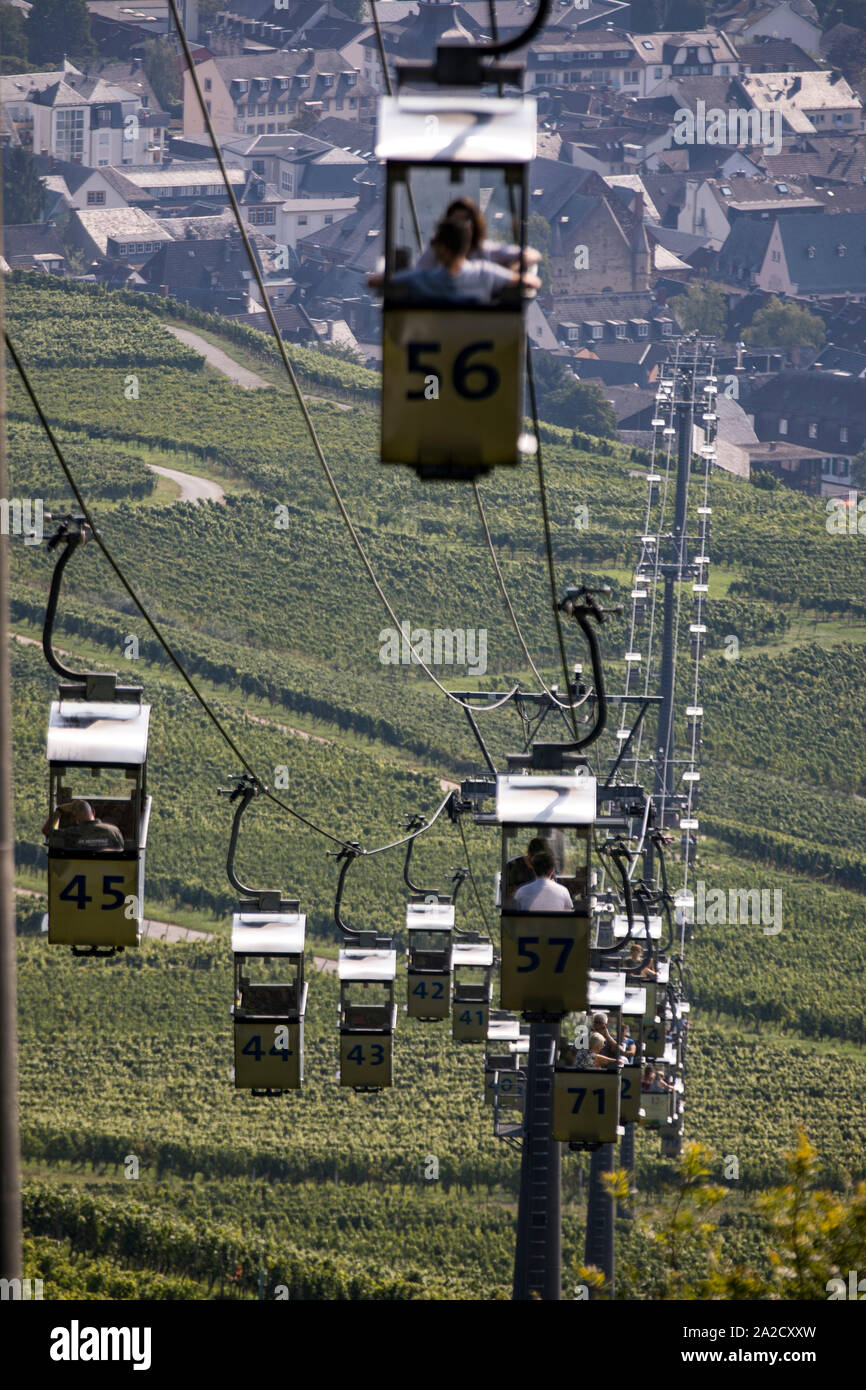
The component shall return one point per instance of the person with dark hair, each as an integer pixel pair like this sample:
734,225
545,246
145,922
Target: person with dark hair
78,824
480,248
543,894
455,277
519,871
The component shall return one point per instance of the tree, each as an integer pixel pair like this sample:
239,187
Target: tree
702,309
563,400
13,40
780,325
538,235
57,29
848,54
858,469
685,14
814,1237
23,190
352,9
161,69
646,16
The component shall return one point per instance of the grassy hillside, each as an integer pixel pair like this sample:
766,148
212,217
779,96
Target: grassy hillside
285,634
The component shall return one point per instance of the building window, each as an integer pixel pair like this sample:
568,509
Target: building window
207,84
841,250
813,429
262,217
286,182
95,199
843,434
260,110
121,248
630,78
775,255
329,220
658,74
783,426
69,136
302,220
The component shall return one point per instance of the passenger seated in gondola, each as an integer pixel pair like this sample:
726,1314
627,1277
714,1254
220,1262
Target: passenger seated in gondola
543,894
654,1082
627,1043
611,1048
455,278
80,827
519,871
480,247
589,1058
635,956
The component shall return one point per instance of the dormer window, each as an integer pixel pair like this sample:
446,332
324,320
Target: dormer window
811,252
841,250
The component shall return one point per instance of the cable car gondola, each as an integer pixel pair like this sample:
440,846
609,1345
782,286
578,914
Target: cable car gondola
472,960
545,953
270,993
99,807
430,928
99,812
270,1000
453,352
368,1016
634,1007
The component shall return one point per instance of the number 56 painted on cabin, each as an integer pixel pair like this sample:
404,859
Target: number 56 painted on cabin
452,388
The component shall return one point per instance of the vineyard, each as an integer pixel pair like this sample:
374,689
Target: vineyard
324,1192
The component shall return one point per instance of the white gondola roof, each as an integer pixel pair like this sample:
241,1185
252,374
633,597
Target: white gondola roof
546,800
429,916
620,927
663,971
268,933
635,1002
472,953
504,1030
456,129
605,989
358,963
106,731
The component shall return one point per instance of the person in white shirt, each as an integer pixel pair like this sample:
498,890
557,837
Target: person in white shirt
543,894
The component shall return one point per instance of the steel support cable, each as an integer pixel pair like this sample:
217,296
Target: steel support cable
474,882
121,577
386,77
548,543
516,625
163,640
290,371
656,557
480,505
